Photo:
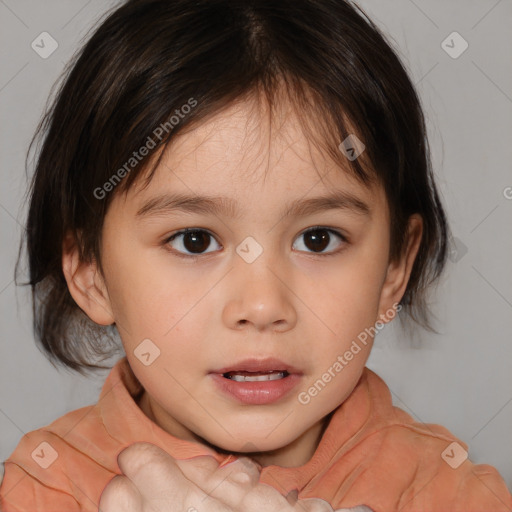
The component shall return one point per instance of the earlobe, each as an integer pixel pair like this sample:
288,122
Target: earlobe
86,285
398,272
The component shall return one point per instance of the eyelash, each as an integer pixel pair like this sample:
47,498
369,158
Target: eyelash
197,256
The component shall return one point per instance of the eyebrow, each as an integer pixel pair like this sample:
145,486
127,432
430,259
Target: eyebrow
167,204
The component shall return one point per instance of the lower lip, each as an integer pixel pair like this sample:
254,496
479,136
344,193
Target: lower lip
259,392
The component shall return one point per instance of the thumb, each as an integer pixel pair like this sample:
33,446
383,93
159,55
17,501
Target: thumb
151,470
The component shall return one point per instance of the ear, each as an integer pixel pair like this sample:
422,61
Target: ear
398,272
85,284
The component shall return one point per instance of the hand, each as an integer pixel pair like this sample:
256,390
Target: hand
154,481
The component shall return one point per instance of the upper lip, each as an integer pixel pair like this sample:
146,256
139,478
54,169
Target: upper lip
258,365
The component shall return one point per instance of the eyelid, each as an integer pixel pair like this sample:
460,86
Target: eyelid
336,231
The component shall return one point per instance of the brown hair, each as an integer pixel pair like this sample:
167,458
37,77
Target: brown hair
147,59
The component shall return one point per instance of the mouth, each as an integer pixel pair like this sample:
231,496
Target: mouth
243,376
253,370
257,381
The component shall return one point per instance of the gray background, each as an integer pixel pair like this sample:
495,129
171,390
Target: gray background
461,378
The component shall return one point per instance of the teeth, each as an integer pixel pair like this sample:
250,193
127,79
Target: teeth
236,376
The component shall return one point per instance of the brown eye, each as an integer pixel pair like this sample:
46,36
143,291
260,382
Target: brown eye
316,240
189,242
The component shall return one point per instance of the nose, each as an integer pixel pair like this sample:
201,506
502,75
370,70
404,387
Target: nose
259,297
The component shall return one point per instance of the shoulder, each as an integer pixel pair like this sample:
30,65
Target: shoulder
408,465
411,467
40,452
436,472
60,462
79,433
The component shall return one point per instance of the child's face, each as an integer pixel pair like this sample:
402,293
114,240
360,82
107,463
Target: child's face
303,300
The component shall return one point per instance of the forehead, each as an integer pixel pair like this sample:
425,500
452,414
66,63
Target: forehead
246,138
245,151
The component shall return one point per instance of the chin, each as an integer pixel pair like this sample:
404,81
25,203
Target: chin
247,445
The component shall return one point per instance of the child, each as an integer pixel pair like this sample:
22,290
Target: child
287,138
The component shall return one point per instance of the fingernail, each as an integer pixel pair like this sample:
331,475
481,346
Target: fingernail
292,496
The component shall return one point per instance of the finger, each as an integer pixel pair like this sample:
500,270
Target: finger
227,484
120,495
242,471
292,496
162,484
232,482
153,472
359,508
312,505
267,497
319,505
198,469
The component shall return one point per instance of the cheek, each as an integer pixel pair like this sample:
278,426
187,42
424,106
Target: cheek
346,300
347,296
147,300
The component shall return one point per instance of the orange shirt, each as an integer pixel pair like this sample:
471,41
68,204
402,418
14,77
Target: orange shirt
371,453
